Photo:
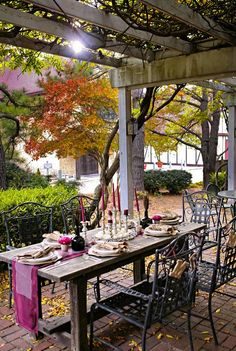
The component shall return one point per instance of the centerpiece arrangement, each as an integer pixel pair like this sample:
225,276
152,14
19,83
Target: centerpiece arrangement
119,227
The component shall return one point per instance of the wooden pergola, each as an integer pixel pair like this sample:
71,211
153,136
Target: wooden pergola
158,42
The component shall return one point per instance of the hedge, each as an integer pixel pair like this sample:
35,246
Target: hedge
173,180
50,196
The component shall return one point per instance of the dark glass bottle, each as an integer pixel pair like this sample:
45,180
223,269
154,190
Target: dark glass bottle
78,242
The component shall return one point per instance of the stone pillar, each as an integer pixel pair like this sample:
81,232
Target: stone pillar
125,142
231,103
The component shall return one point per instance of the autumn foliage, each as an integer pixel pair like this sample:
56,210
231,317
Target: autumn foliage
75,118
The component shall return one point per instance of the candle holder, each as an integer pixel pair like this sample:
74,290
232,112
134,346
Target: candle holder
126,213
115,221
84,231
110,223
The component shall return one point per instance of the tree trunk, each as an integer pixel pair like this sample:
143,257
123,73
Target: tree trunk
210,128
138,160
3,184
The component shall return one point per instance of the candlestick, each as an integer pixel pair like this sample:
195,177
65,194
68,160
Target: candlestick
84,231
110,227
115,221
82,210
110,222
126,212
113,196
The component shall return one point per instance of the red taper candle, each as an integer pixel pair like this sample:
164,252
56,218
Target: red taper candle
82,210
136,199
113,196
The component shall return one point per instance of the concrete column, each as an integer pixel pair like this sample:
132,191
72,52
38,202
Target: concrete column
232,149
231,103
125,142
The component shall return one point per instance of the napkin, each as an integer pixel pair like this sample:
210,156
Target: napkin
36,253
169,215
118,246
54,236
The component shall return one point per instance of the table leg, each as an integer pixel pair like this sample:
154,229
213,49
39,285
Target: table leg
78,307
139,270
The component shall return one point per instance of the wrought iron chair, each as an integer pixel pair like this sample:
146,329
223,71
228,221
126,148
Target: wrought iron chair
202,207
25,225
71,213
212,274
171,288
214,189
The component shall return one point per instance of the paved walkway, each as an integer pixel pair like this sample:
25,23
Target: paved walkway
171,337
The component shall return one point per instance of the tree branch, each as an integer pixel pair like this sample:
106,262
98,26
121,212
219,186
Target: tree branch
171,98
177,139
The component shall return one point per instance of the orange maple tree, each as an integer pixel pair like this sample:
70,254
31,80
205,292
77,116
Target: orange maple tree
76,116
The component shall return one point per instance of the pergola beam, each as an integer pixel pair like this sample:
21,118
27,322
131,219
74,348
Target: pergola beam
186,15
97,17
60,50
213,64
44,25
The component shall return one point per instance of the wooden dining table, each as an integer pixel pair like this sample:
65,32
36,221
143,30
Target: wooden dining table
72,330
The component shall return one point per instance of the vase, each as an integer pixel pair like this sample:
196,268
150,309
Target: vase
64,247
78,243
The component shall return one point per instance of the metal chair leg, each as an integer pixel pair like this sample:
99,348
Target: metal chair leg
144,339
190,331
53,288
10,287
211,318
91,328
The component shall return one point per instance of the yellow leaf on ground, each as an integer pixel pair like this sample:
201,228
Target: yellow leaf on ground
208,338
218,310
169,336
159,336
205,332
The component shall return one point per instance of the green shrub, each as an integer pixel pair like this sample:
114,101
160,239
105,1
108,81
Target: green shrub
50,196
173,180
177,180
19,178
153,181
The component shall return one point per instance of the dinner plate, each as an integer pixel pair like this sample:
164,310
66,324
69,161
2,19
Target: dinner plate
159,233
170,221
51,243
50,258
95,250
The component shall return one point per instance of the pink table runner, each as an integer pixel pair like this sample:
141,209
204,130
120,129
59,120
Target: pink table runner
25,291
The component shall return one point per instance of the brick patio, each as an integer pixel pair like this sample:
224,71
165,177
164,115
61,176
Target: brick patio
172,336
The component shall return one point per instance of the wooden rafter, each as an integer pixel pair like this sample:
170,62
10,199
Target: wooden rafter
97,17
186,15
61,30
60,50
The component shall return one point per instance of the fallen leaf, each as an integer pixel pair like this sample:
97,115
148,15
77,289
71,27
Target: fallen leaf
169,336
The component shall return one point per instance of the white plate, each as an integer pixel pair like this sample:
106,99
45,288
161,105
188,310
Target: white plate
97,251
170,221
51,243
159,233
50,258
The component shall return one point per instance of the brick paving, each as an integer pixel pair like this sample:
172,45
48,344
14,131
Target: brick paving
171,336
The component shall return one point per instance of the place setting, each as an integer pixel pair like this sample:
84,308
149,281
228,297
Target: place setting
164,224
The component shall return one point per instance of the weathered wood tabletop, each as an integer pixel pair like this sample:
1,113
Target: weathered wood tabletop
78,270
